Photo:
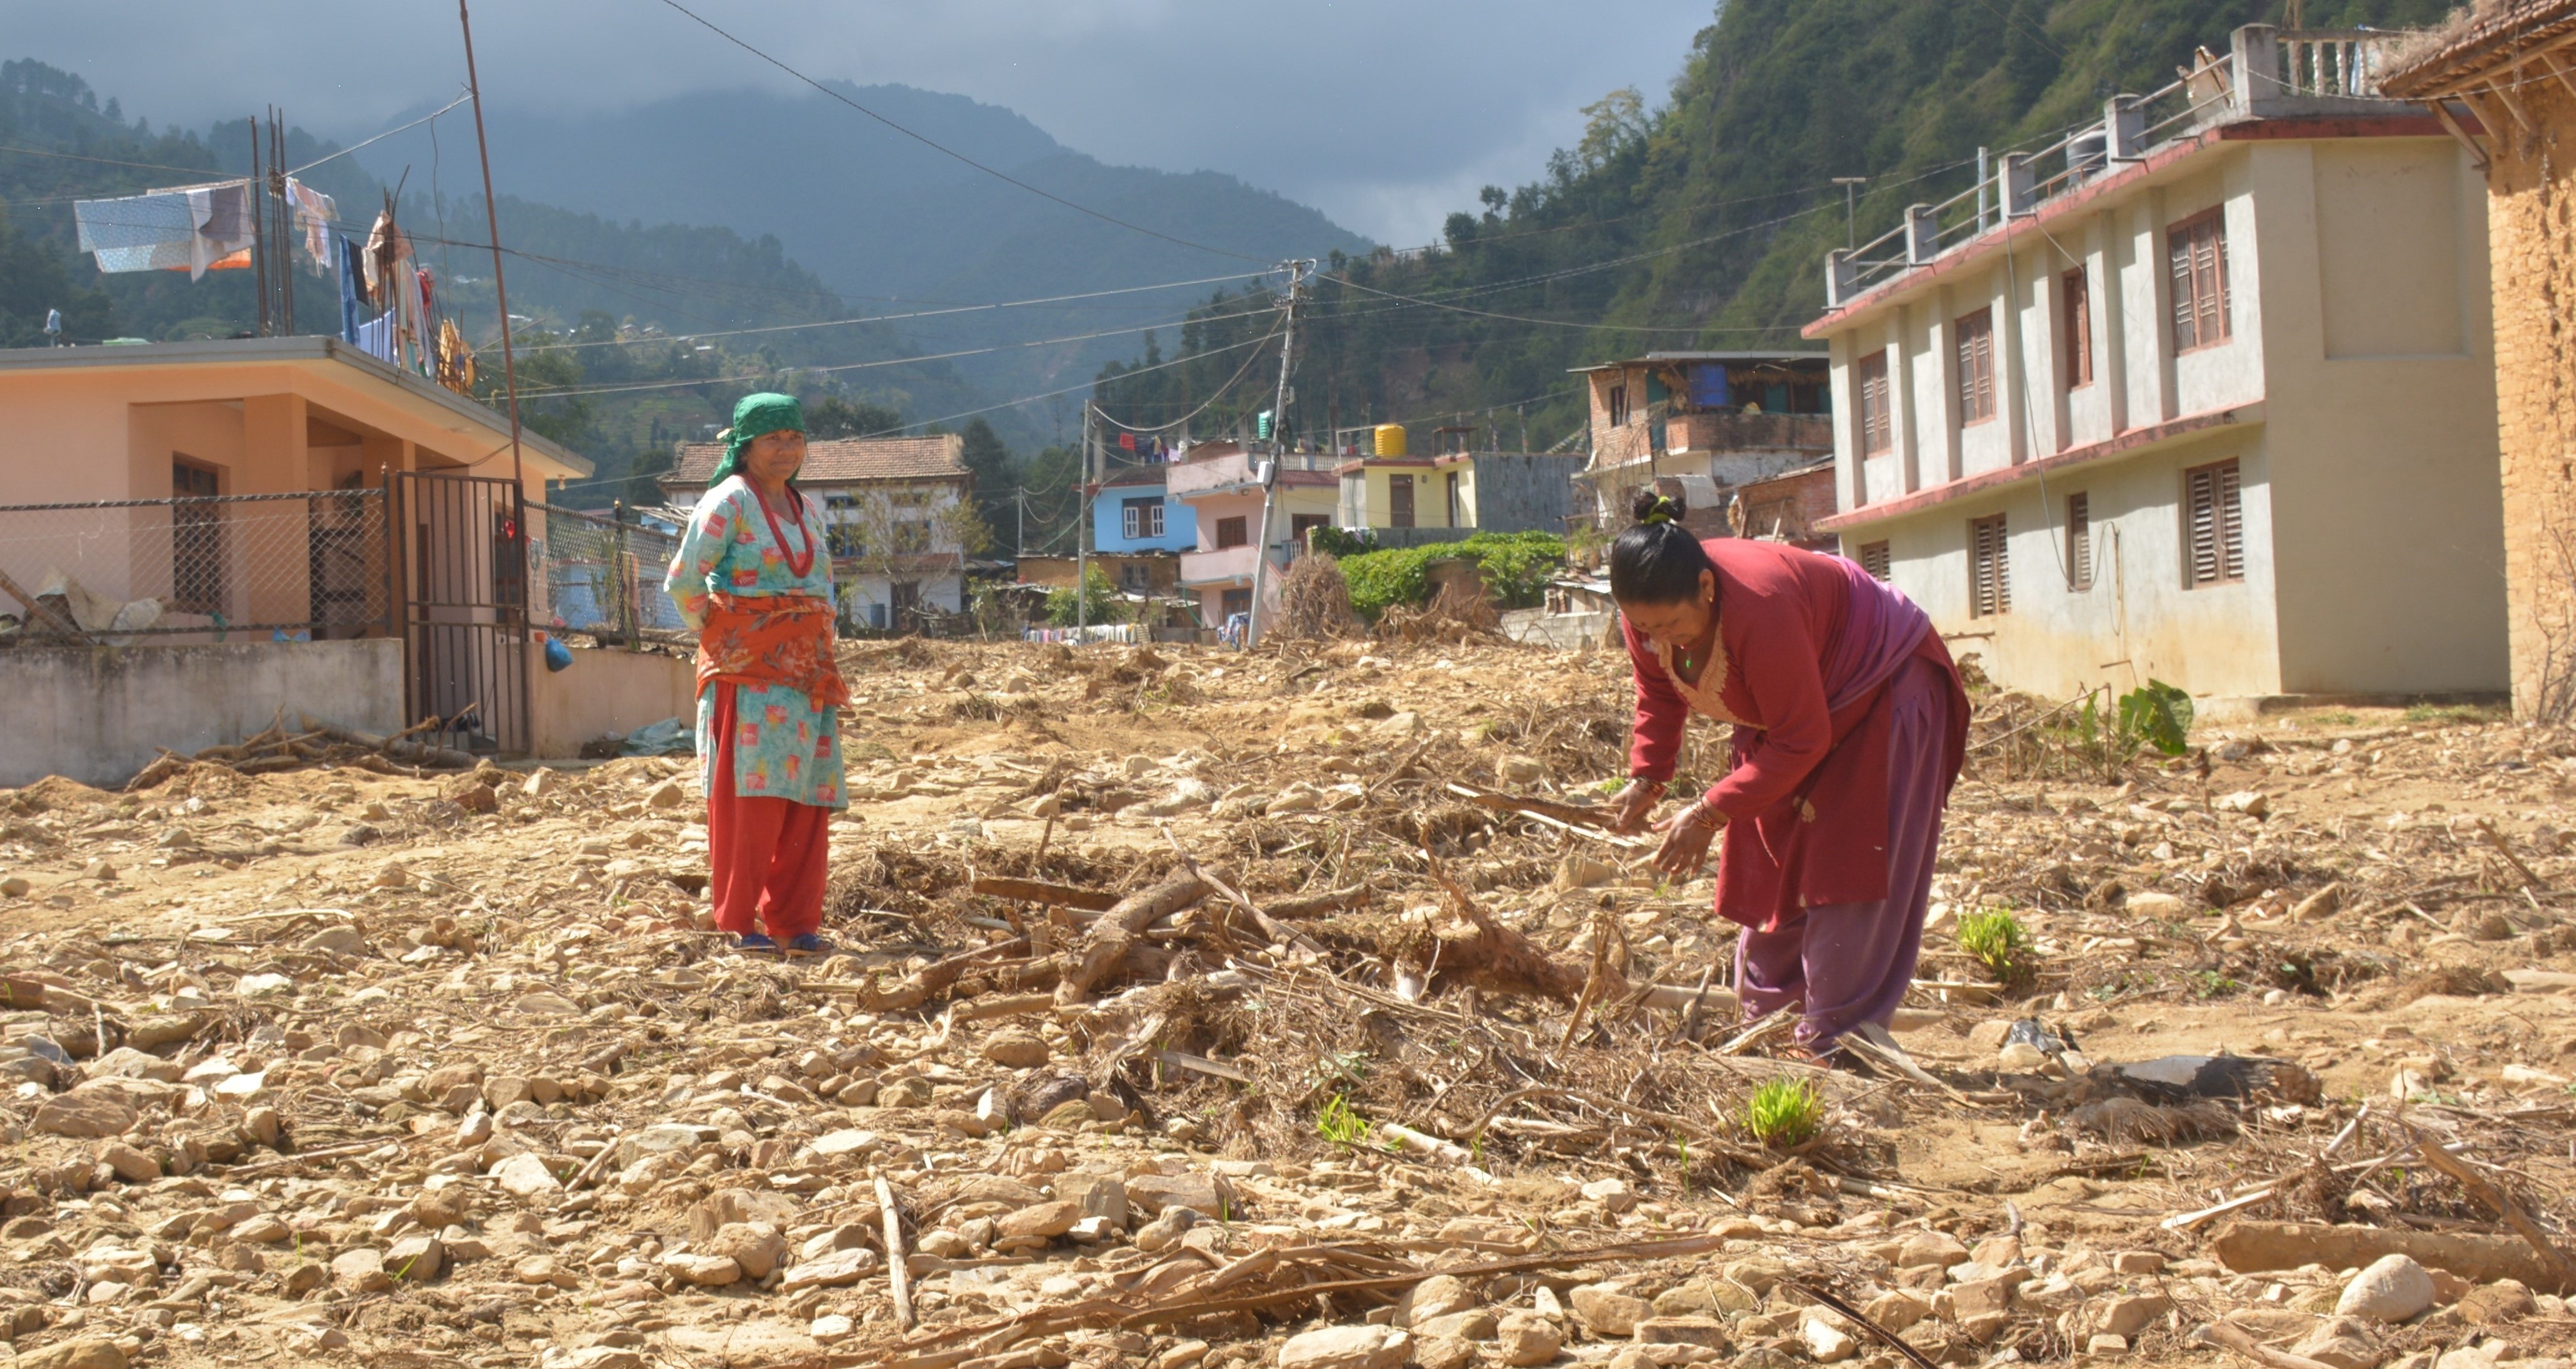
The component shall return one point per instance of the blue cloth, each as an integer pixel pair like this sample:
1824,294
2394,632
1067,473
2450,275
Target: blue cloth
376,339
352,288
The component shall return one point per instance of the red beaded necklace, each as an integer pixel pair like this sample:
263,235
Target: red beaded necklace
799,564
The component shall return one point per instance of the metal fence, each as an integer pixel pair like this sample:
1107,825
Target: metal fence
602,575
215,568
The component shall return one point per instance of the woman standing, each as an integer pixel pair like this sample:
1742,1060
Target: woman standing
1850,727
752,576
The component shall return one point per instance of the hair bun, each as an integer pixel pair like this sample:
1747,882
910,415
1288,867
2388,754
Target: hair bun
1651,506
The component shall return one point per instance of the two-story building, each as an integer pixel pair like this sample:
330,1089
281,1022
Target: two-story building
1712,420
1406,500
2203,393
897,508
1220,482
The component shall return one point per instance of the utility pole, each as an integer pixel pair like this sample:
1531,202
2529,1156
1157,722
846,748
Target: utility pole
492,219
1297,271
1851,209
259,223
1081,522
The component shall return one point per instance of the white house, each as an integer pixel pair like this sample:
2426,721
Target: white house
897,507
2205,393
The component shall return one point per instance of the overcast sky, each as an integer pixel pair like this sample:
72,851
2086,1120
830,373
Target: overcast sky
1385,114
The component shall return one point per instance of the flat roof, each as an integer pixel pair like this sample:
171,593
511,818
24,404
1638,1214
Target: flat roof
1651,358
214,351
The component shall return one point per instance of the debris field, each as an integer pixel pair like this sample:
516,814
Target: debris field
1197,1007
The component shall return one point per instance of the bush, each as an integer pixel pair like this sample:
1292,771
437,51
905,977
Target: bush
1784,1113
1105,606
1516,565
1997,940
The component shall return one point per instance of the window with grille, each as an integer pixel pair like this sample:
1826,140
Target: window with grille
1877,404
2077,298
1989,568
1976,366
1233,532
2213,525
2197,250
1875,560
2079,541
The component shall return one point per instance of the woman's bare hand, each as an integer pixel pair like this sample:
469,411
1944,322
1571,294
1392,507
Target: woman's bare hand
1687,835
1636,802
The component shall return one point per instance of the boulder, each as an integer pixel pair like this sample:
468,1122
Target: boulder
1043,1221
1605,1311
705,1271
1347,1347
526,1178
2393,1289
2127,1314
1523,1339
839,1269
1016,1049
89,1352
360,1271
2343,1342
755,1246
82,1115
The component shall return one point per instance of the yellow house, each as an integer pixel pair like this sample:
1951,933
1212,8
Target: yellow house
2205,393
266,522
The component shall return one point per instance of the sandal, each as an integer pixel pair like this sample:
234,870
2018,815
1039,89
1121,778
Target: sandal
753,943
807,943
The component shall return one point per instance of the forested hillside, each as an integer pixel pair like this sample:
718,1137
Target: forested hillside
1703,222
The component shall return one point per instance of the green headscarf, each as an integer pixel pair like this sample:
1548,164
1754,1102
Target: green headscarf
756,416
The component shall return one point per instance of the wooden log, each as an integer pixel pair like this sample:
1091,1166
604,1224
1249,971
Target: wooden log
896,1275
1013,1006
2486,1191
1319,905
419,753
1114,935
1039,891
40,612
2256,1247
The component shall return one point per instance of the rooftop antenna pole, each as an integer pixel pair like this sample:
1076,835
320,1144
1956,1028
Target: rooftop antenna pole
492,217
1851,207
258,191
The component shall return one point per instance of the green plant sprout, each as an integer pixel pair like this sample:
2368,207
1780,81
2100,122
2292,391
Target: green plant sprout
1339,1125
1995,939
1784,1113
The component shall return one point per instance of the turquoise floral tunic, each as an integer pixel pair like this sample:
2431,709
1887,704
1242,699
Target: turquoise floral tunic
783,747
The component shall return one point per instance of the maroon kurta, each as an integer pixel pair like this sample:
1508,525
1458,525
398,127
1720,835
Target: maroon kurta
1806,648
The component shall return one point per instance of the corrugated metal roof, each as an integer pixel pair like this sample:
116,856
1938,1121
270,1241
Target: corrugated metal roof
1653,358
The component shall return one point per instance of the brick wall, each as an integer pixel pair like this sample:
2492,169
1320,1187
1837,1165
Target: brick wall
2532,232
1794,502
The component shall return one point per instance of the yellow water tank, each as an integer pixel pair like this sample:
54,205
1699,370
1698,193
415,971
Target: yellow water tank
1390,439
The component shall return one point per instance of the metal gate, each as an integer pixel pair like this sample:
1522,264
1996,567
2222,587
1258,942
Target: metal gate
462,608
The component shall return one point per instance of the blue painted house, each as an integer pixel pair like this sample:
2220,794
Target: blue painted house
1137,514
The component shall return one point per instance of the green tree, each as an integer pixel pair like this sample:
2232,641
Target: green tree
1104,604
833,417
997,473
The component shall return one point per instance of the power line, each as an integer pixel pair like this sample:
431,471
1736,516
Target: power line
952,152
1213,396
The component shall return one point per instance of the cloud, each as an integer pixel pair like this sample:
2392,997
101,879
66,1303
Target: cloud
1380,114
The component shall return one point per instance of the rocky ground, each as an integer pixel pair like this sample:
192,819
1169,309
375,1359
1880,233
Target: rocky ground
1299,1019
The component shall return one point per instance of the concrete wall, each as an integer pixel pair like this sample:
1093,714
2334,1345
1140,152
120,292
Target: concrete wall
605,691
1515,491
1109,520
96,716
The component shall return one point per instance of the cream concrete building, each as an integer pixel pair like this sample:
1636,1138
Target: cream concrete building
2204,394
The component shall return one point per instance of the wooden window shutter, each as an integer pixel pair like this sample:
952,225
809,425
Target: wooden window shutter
1976,366
1989,568
2078,296
1875,560
2214,524
2196,251
1877,408
2079,541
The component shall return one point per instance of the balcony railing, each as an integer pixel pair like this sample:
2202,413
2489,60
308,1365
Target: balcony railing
2265,74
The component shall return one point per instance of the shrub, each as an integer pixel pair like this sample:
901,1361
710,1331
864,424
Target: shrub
1784,1113
1516,566
1998,941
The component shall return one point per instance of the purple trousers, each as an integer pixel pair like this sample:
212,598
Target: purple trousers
1850,963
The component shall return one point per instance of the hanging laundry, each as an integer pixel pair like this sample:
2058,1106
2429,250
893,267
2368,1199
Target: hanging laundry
353,287
197,228
386,248
376,339
455,359
1127,441
314,213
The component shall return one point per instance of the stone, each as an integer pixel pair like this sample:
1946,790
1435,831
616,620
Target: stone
839,1269
1043,1221
471,794
526,1178
2151,905
543,1004
704,1271
664,1138
262,1124
1016,1049
2130,1313
360,1271
501,1090
740,1207
131,1165
1429,1352
1614,1195
340,940
745,1343
1474,1324
81,1115
1897,1308
1524,1339
1605,1311
832,1327
1827,1343
416,1259
1520,770
126,1062
447,1079
88,1352
667,794
1164,1231
2325,902
2104,1343
540,783
2253,803
2393,1289
1098,1195
1347,1347
2137,1262
831,1145
1204,1194
2343,1342
1938,1247
1982,1297
1998,1252
2501,1303
16,886
756,1246
1708,1331
1437,1296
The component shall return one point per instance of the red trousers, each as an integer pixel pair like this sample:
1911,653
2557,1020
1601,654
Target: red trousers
766,857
